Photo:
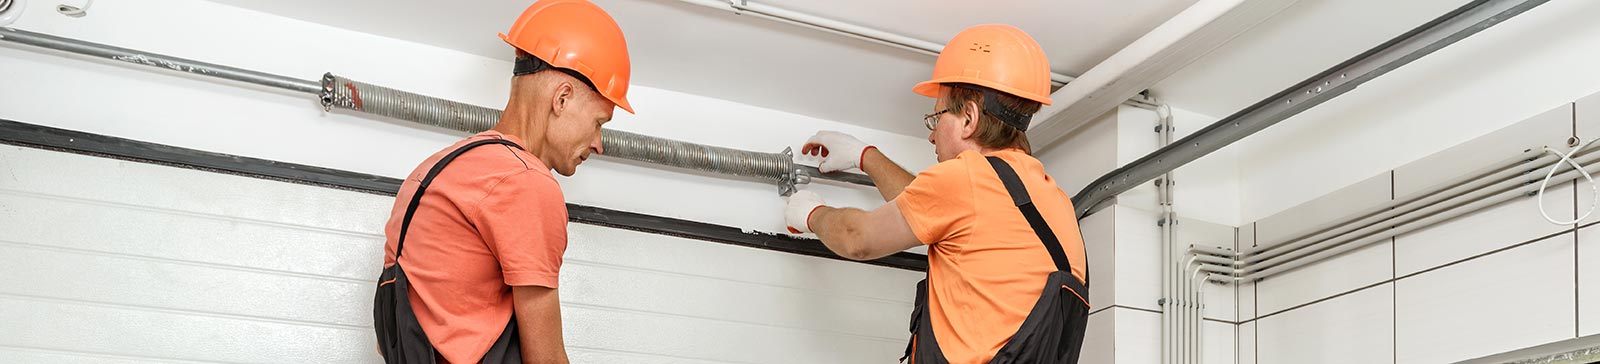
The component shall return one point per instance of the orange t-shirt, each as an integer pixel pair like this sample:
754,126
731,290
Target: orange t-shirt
986,267
494,218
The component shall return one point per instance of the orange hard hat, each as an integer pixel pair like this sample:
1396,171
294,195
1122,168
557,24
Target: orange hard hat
576,35
997,56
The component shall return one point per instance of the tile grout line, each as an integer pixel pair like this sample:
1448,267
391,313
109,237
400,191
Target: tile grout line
1238,312
1577,311
1394,289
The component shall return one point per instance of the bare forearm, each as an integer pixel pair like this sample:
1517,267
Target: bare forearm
538,314
840,230
861,234
889,177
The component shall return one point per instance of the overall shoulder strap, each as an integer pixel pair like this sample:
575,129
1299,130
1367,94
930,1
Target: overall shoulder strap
411,209
1019,196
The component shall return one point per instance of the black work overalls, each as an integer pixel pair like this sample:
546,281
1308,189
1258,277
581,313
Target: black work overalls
1053,331
400,336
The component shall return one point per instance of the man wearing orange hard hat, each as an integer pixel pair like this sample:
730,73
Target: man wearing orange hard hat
1007,272
481,242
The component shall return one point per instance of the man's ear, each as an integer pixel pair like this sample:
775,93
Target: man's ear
561,98
972,115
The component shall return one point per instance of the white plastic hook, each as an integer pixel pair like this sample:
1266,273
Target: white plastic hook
75,11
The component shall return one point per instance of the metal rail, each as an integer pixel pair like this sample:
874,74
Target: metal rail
1443,31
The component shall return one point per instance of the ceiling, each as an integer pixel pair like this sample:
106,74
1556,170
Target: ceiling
715,53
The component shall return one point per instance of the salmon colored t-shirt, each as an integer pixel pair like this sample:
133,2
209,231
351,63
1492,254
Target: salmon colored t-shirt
492,219
986,267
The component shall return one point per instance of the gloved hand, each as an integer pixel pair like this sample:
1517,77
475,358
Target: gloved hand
798,213
839,151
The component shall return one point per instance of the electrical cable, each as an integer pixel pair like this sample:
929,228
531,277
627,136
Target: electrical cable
1566,158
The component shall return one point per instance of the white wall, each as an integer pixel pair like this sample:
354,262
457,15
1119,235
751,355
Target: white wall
1524,66
1207,189
111,260
1123,240
1495,280
1421,297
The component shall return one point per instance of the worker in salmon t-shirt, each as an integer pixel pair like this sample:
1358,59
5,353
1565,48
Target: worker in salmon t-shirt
476,237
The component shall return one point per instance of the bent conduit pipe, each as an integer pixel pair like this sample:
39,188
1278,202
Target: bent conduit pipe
1469,187
1456,206
339,92
1390,229
1494,174
1499,188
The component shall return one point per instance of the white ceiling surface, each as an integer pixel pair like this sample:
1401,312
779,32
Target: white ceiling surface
760,62
1306,38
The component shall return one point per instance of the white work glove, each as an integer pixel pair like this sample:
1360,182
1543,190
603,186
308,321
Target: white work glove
839,151
798,213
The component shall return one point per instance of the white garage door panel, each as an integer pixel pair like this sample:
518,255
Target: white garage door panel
824,277
236,197
43,272
592,355
690,337
733,301
154,333
30,355
118,229
107,261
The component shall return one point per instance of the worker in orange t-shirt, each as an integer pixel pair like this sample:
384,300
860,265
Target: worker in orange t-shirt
1007,273
480,242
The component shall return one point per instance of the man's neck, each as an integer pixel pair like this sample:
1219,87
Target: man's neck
515,122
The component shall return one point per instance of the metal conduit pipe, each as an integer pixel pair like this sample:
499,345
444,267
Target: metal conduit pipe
1380,227
1397,230
1219,269
1568,175
1399,207
1372,224
1412,225
1308,233
743,7
1211,250
155,60
864,33
1169,301
1197,327
1212,259
339,92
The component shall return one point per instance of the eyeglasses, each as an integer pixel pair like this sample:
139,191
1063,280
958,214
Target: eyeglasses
932,120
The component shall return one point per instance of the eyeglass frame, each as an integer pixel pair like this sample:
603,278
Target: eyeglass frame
932,120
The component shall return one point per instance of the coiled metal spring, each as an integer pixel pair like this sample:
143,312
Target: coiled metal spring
348,94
